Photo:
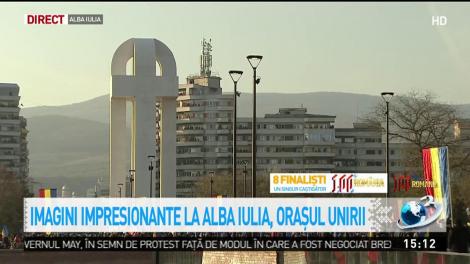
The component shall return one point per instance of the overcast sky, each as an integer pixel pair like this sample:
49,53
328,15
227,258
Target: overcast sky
307,47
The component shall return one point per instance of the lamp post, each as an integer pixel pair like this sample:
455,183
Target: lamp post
211,175
387,97
254,61
244,177
131,180
120,189
151,159
235,75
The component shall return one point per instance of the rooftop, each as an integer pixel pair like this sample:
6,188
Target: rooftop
9,89
361,127
300,112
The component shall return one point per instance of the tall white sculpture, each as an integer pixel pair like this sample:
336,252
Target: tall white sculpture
143,89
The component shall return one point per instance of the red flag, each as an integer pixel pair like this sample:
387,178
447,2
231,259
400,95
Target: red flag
41,193
427,168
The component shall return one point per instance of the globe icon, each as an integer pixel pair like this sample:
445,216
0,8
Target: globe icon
411,212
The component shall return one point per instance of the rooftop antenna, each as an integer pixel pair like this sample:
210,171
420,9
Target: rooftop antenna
206,58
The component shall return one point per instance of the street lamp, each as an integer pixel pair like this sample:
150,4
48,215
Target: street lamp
254,61
151,159
387,97
120,189
235,75
131,180
244,162
211,175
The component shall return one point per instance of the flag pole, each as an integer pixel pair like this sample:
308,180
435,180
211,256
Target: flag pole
450,189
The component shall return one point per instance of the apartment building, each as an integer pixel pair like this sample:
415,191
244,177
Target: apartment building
204,129
289,141
362,149
13,143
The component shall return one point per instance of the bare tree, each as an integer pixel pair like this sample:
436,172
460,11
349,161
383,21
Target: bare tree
420,121
417,119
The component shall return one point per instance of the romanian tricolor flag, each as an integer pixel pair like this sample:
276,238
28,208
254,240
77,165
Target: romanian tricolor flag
436,170
47,193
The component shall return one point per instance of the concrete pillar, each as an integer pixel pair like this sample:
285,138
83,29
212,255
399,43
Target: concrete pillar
167,143
117,146
145,143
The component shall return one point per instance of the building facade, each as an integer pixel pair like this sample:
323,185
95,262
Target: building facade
204,129
13,132
289,141
362,149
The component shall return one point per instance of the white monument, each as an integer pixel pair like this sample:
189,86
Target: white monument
144,88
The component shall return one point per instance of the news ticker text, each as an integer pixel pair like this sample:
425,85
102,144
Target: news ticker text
434,243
